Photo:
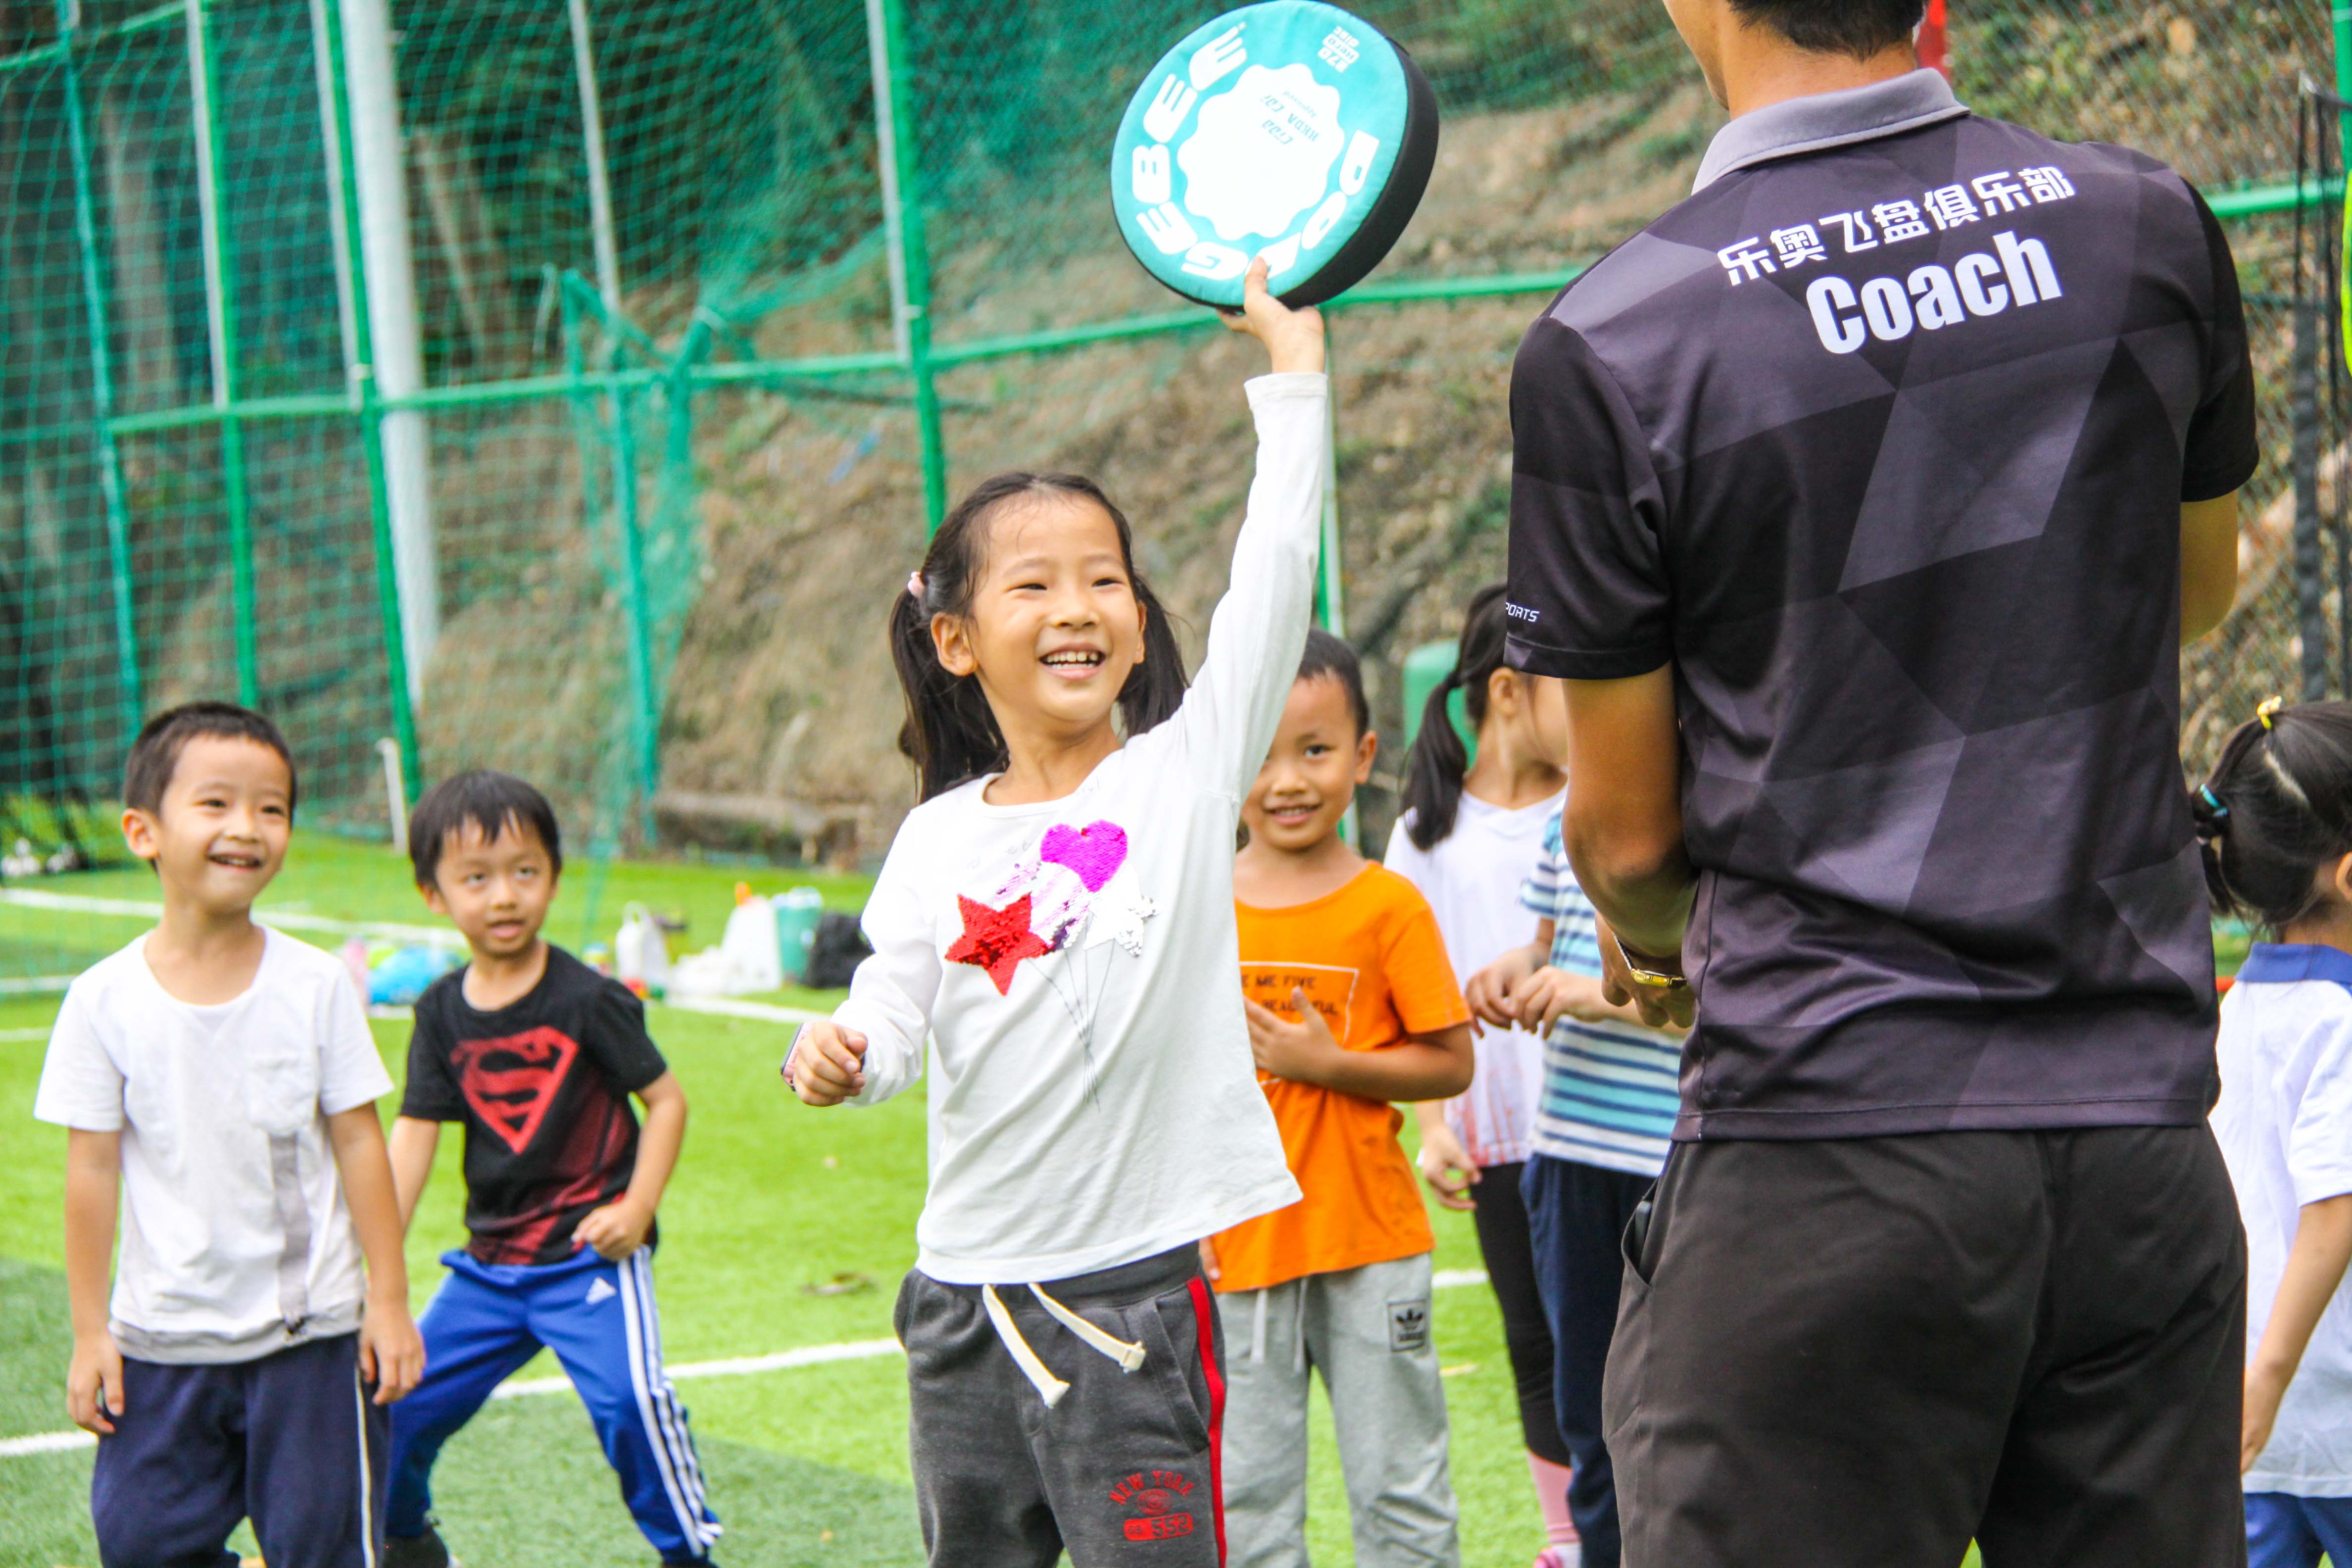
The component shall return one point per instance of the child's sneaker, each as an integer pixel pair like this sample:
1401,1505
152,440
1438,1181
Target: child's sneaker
424,1551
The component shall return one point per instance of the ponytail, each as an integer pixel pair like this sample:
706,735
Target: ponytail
1433,791
950,734
2276,811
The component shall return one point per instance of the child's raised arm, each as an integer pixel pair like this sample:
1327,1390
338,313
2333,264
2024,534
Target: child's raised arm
1229,717
93,1192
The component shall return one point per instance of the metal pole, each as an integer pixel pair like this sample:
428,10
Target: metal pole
1330,607
338,231
591,136
890,108
376,167
2340,14
397,680
101,378
220,319
645,717
2310,586
885,155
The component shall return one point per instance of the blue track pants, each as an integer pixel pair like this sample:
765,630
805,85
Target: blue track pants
598,1318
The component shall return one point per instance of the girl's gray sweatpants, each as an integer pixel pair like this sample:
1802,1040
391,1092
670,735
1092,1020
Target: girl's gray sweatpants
1106,1443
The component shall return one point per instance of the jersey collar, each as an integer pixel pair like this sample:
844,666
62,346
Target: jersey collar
1822,119
2280,963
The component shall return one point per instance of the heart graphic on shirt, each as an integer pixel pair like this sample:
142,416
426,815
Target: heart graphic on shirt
1095,852
511,1097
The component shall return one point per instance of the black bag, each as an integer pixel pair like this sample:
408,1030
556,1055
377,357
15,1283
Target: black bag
834,951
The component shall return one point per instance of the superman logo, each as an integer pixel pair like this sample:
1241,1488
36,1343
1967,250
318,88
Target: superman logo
510,1081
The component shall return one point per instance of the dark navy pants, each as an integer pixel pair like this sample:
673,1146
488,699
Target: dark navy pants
598,1318
291,1441
1577,1216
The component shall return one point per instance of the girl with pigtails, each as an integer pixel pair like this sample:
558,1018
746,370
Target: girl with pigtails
1469,834
2275,820
1056,919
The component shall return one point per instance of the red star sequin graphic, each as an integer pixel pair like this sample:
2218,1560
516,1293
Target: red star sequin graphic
996,940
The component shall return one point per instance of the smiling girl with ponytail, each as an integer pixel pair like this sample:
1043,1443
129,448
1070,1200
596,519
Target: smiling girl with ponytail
1053,928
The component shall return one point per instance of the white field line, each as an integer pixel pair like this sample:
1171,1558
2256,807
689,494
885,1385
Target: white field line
284,920
726,1006
736,1366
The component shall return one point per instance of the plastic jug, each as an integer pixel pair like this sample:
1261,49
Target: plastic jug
640,956
798,914
753,958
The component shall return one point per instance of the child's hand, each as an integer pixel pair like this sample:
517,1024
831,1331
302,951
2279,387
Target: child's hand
392,1352
826,1064
2264,1391
1209,1259
1293,338
1296,1051
1489,991
94,1382
617,1229
1446,1166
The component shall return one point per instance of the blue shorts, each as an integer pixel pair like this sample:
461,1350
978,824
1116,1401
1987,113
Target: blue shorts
2287,1531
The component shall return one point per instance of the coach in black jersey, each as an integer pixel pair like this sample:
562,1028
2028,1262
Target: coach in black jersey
1864,500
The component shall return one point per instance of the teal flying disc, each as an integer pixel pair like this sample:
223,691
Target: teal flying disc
1290,129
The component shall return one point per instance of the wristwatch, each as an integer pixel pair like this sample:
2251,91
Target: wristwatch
1646,971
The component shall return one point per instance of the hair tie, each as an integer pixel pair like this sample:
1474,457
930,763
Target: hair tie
914,586
2213,803
2269,708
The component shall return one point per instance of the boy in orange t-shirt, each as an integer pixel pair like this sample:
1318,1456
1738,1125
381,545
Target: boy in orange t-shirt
1352,1005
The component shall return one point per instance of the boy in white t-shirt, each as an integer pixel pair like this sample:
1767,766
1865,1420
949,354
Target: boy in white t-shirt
219,1079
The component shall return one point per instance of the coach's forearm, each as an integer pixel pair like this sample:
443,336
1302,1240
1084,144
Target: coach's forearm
1647,901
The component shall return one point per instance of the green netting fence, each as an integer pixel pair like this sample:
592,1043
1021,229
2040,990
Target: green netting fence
566,384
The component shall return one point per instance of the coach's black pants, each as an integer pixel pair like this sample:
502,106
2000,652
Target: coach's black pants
1860,1353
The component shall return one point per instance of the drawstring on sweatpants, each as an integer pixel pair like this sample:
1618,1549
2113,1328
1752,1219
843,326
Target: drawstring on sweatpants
1298,1330
1049,1387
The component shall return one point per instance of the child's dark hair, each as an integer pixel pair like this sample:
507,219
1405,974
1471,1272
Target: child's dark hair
492,801
1433,774
1327,657
950,733
2277,811
148,771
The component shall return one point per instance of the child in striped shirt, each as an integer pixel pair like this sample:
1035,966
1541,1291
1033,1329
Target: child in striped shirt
1603,1127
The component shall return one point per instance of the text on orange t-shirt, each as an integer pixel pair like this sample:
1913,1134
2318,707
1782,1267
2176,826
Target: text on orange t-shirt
1372,963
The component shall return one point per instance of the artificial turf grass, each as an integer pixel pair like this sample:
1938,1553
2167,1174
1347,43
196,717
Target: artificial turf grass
754,1212
346,879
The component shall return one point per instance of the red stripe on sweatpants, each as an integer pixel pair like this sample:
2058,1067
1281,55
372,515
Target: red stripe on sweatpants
1204,1320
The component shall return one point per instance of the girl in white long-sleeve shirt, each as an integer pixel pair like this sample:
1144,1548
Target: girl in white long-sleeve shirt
1056,919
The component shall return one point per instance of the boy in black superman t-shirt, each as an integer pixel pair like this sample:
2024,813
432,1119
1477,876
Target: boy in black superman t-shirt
537,1055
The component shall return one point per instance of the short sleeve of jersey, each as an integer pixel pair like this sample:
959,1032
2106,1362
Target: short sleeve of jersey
1541,892
431,1093
2222,451
1590,597
2319,1144
80,1086
350,1073
615,1037
1419,976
